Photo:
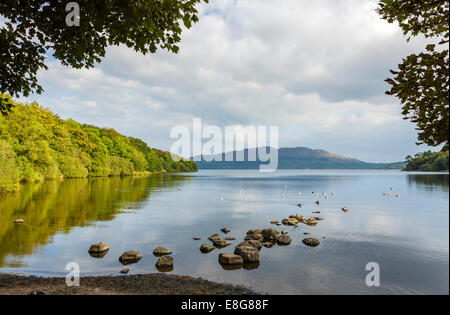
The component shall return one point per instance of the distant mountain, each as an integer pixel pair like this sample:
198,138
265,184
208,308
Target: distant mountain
296,158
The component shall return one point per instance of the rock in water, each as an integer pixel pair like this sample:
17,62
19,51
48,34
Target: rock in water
226,230
283,240
284,232
345,209
161,251
164,264
312,242
254,236
268,244
298,217
253,243
270,234
214,237
254,231
18,221
248,253
221,243
196,238
230,259
230,238
206,248
130,257
290,221
100,247
124,271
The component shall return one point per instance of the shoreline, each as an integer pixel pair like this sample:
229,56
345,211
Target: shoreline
143,284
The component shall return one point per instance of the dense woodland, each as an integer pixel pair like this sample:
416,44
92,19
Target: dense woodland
36,144
428,162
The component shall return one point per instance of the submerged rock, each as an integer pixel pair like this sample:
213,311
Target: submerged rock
270,234
196,238
254,231
273,222
164,261
230,238
312,242
99,247
206,248
290,221
253,243
221,243
130,257
161,251
254,236
248,253
230,259
283,240
298,217
214,237
310,221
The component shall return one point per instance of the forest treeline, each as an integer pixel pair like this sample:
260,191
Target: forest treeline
428,162
36,144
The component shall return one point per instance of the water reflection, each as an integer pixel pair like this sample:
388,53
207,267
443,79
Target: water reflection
429,180
58,206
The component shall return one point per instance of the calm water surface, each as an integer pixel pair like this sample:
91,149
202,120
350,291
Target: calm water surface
407,236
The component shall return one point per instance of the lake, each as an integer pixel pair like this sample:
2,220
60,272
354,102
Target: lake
408,236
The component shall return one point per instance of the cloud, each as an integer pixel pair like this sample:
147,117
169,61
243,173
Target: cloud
314,68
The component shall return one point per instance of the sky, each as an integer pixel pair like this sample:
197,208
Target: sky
315,69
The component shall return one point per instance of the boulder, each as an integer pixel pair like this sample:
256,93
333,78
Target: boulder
221,243
165,261
230,259
270,234
254,236
283,240
100,247
254,231
290,221
230,238
226,230
161,251
310,221
196,238
298,217
130,257
273,222
318,218
214,237
345,209
253,243
124,271
311,242
248,253
268,244
206,248
284,232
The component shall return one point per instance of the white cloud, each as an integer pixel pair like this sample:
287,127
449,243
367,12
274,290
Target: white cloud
315,68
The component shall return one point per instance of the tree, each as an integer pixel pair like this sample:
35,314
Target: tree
35,27
421,81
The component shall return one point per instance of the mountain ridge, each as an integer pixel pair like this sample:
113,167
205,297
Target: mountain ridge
292,158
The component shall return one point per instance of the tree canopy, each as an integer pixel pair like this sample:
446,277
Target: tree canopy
35,27
421,81
36,144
